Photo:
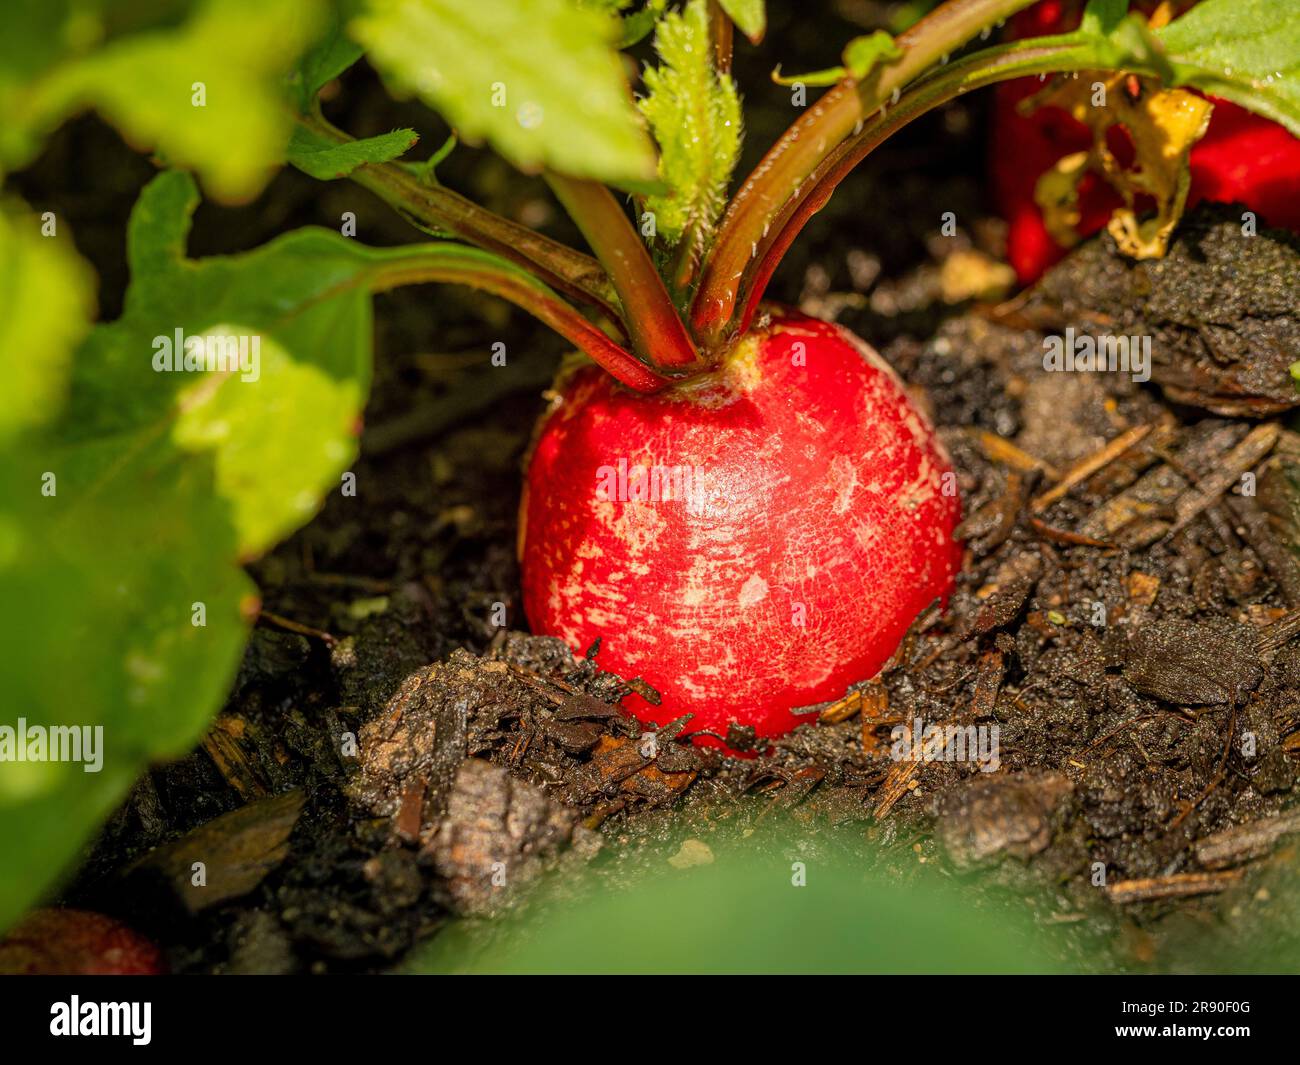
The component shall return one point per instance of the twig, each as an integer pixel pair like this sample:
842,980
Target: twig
1115,732
1064,536
988,681
298,627
998,449
1090,464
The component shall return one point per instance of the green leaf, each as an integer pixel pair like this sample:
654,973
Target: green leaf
1246,51
206,93
46,303
99,591
864,54
35,36
758,911
750,17
640,24
539,79
1132,44
123,521
324,159
1101,17
695,115
329,57
637,25
281,425
860,57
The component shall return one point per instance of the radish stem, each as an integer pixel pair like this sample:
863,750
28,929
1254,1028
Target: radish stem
434,208
814,136
657,332
481,270
721,34
984,68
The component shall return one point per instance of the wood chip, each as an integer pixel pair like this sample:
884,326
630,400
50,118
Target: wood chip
1004,451
222,745
1088,465
875,712
902,777
1280,633
1245,456
1243,843
1177,886
841,709
692,852
1142,588
235,852
1143,513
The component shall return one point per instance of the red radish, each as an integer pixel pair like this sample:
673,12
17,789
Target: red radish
1242,157
817,523
77,943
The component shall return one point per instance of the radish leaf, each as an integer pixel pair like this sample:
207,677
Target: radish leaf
325,60
1101,17
637,25
281,425
206,93
750,17
540,79
325,159
124,520
1246,51
861,55
672,923
46,302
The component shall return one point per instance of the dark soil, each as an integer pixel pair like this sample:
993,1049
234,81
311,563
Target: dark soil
391,742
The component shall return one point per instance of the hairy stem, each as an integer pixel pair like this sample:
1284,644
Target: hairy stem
486,272
437,210
813,137
656,329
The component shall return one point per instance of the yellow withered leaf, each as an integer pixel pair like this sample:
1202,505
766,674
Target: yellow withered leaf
1163,125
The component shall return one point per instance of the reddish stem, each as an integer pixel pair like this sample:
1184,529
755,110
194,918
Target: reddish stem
979,70
480,270
434,208
722,35
657,332
814,136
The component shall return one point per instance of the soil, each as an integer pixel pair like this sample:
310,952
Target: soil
1124,617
